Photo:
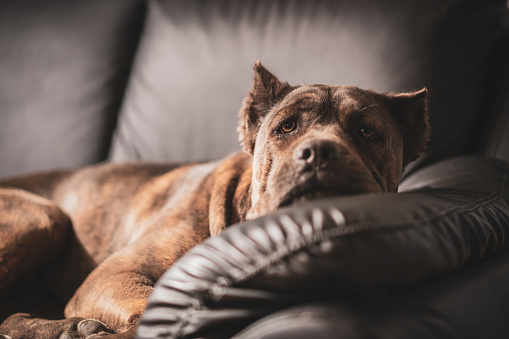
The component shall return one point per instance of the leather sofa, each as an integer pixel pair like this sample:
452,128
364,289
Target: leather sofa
123,80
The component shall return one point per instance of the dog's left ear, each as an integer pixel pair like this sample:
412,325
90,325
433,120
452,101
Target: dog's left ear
266,92
411,111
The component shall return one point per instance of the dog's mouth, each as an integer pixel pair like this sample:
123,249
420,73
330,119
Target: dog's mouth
299,195
301,187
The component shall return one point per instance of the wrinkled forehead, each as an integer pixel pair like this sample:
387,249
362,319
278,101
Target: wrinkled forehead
345,99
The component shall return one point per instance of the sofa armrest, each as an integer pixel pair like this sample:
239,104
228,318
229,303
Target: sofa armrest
361,246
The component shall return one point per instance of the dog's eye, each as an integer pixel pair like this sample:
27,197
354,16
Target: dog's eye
287,126
367,133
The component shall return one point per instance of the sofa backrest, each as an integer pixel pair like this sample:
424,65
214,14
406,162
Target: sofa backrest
194,65
64,66
63,70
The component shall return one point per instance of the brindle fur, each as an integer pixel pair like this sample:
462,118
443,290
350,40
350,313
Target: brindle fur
96,239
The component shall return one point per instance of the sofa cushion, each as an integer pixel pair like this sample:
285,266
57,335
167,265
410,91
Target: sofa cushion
195,65
63,66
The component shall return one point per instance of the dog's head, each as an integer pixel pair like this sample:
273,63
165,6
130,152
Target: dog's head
312,141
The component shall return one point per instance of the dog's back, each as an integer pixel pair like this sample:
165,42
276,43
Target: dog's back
46,183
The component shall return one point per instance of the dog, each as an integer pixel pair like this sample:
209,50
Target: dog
93,241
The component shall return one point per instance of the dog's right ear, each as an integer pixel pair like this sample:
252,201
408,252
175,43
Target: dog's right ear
267,90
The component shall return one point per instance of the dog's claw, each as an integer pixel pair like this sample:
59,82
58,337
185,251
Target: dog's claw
87,328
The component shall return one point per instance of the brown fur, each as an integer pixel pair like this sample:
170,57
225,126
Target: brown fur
96,239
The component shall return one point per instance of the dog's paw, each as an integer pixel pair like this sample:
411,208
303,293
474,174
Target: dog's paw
87,328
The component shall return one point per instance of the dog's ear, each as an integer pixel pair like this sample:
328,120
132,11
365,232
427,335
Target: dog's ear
266,92
411,111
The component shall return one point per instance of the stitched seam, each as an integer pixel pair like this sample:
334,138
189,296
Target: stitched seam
252,269
466,208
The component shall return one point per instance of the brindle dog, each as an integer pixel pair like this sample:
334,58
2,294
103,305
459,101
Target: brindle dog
96,239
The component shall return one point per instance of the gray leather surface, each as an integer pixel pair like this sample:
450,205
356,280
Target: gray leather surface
469,173
195,65
63,69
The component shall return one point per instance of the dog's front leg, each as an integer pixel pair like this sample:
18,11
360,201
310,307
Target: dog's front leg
115,293
117,290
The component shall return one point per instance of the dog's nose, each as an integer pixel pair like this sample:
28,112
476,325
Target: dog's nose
318,152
